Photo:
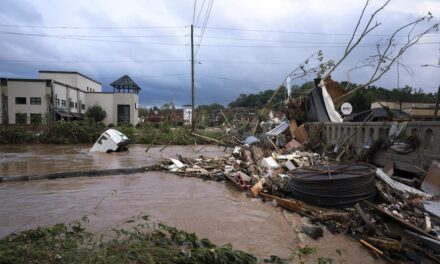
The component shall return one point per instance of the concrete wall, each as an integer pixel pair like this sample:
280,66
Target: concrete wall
26,89
105,100
427,132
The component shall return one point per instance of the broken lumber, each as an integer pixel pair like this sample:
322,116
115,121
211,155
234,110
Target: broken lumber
385,243
291,205
209,139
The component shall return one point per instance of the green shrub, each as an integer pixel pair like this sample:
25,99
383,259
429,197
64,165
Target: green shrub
71,132
12,135
96,113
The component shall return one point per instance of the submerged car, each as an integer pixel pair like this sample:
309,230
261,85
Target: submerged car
111,140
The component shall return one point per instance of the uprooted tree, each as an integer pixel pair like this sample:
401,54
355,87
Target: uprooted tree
388,51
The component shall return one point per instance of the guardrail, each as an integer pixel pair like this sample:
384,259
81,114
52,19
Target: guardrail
427,133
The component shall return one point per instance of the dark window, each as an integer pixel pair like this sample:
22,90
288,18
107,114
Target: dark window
20,100
20,118
35,100
63,103
76,105
83,106
58,102
123,114
36,119
71,104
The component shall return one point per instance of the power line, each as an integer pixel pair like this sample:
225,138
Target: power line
90,27
294,32
91,61
194,11
284,41
205,22
200,12
86,39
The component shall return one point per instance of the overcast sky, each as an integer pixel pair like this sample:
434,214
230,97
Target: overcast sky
149,40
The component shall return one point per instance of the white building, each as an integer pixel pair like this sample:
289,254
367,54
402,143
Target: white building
65,95
187,114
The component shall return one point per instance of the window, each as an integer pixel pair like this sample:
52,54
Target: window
83,106
20,100
76,105
35,100
63,103
36,119
20,118
71,104
58,102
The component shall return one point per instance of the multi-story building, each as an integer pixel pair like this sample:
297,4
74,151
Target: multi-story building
65,95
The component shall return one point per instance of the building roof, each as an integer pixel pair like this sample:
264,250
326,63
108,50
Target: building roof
72,72
125,82
376,114
24,79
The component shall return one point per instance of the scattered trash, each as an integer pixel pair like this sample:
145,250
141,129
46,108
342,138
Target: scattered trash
109,141
251,140
431,183
399,186
313,231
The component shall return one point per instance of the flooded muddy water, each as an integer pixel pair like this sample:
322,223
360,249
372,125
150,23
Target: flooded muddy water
210,209
20,160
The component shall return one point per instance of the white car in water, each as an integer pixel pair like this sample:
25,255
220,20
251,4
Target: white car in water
109,141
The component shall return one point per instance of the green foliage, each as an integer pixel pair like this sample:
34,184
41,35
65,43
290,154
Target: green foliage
324,260
143,112
73,132
305,251
127,130
363,98
12,135
260,99
145,242
96,113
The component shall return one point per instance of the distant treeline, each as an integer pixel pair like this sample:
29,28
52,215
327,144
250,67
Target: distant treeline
361,99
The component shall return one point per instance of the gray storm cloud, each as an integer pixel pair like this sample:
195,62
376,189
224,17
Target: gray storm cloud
122,37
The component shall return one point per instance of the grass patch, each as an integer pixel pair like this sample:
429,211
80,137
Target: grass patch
144,242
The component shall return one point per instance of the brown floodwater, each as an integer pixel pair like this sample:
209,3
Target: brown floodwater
211,209
20,160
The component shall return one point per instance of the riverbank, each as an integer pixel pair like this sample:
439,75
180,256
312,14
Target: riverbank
78,132
143,242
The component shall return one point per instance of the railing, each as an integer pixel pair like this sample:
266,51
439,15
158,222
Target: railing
426,132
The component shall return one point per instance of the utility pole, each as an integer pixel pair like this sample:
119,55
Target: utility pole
436,104
192,79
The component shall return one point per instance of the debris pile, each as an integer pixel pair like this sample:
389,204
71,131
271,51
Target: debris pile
286,165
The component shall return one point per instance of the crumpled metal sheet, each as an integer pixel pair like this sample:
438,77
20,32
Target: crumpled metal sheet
278,130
